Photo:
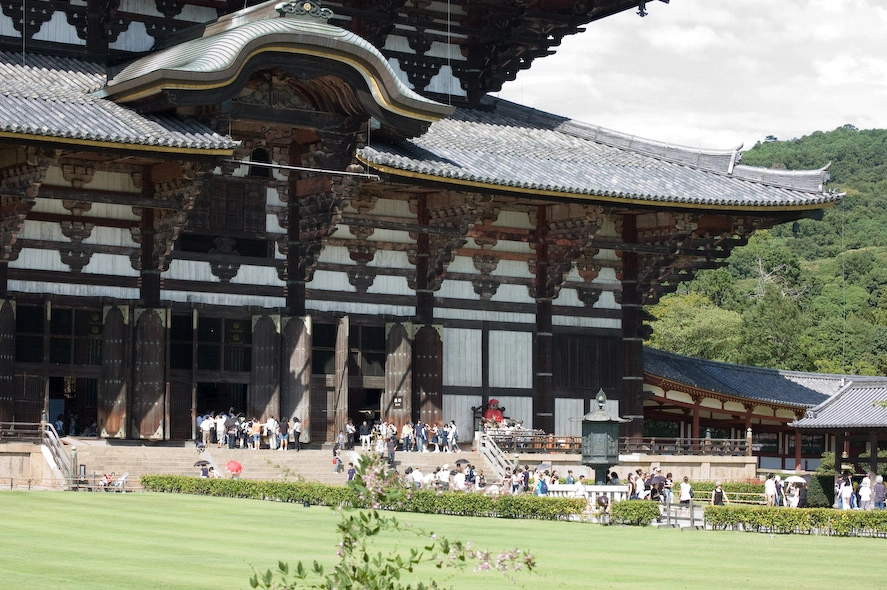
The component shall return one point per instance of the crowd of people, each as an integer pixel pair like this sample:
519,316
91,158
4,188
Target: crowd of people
867,494
236,431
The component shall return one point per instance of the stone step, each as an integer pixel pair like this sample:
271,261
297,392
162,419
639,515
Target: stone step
312,464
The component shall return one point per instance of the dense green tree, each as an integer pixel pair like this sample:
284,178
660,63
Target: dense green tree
812,294
771,333
692,325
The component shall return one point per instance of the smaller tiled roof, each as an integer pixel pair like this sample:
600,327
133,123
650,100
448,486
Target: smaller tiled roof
790,388
52,98
509,146
856,406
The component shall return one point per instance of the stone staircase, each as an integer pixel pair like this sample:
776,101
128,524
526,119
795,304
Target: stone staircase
314,464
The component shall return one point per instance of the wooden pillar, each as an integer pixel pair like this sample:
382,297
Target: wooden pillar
840,440
543,337
873,453
295,269
149,275
632,395
4,280
798,462
396,400
295,365
7,358
428,343
338,416
264,398
695,434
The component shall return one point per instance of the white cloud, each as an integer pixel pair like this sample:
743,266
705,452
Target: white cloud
715,74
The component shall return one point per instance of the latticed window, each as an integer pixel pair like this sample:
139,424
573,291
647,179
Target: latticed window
75,337
223,344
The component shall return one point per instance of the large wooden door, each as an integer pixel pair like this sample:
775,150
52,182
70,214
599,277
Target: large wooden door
264,395
396,401
113,394
428,374
29,398
149,374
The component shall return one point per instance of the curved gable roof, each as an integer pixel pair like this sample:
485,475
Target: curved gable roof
229,51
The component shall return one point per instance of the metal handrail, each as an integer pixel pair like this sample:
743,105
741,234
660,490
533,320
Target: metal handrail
494,455
58,451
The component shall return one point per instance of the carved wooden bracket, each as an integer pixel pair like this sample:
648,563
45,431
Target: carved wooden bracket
19,187
485,285
454,211
168,223
77,173
362,253
566,235
224,270
75,255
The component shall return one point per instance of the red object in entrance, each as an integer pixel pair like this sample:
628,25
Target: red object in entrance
234,467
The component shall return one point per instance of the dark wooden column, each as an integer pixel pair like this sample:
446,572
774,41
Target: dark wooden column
295,270
543,349
798,463
7,359
149,393
873,453
632,396
338,406
428,345
396,400
265,391
113,394
149,274
295,365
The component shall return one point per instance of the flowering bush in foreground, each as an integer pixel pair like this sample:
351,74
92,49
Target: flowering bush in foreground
359,568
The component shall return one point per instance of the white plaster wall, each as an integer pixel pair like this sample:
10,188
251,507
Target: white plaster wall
458,408
567,416
462,357
511,359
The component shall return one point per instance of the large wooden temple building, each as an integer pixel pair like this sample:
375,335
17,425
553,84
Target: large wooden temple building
296,209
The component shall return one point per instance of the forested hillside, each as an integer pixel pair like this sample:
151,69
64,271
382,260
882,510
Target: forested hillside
807,296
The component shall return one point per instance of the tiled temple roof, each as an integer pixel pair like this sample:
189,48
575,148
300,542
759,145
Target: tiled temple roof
52,98
856,406
790,388
516,148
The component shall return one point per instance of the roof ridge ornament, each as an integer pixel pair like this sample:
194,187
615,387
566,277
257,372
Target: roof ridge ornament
295,8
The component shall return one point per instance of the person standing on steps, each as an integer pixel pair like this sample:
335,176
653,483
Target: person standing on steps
297,434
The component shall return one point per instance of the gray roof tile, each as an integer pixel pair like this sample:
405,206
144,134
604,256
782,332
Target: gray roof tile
792,388
512,146
856,406
52,97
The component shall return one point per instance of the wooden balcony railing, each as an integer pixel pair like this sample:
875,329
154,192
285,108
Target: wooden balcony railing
537,441
729,447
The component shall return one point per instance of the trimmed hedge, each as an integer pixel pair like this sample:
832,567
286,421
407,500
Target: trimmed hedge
818,521
634,512
423,501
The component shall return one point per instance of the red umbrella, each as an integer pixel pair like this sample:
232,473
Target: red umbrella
234,467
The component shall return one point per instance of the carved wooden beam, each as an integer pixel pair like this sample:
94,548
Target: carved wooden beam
19,187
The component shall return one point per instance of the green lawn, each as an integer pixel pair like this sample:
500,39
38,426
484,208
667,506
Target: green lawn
67,540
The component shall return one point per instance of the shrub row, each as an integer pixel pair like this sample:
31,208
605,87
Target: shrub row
423,501
634,512
820,521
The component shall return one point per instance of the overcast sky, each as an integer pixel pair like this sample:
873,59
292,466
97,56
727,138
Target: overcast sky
719,73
